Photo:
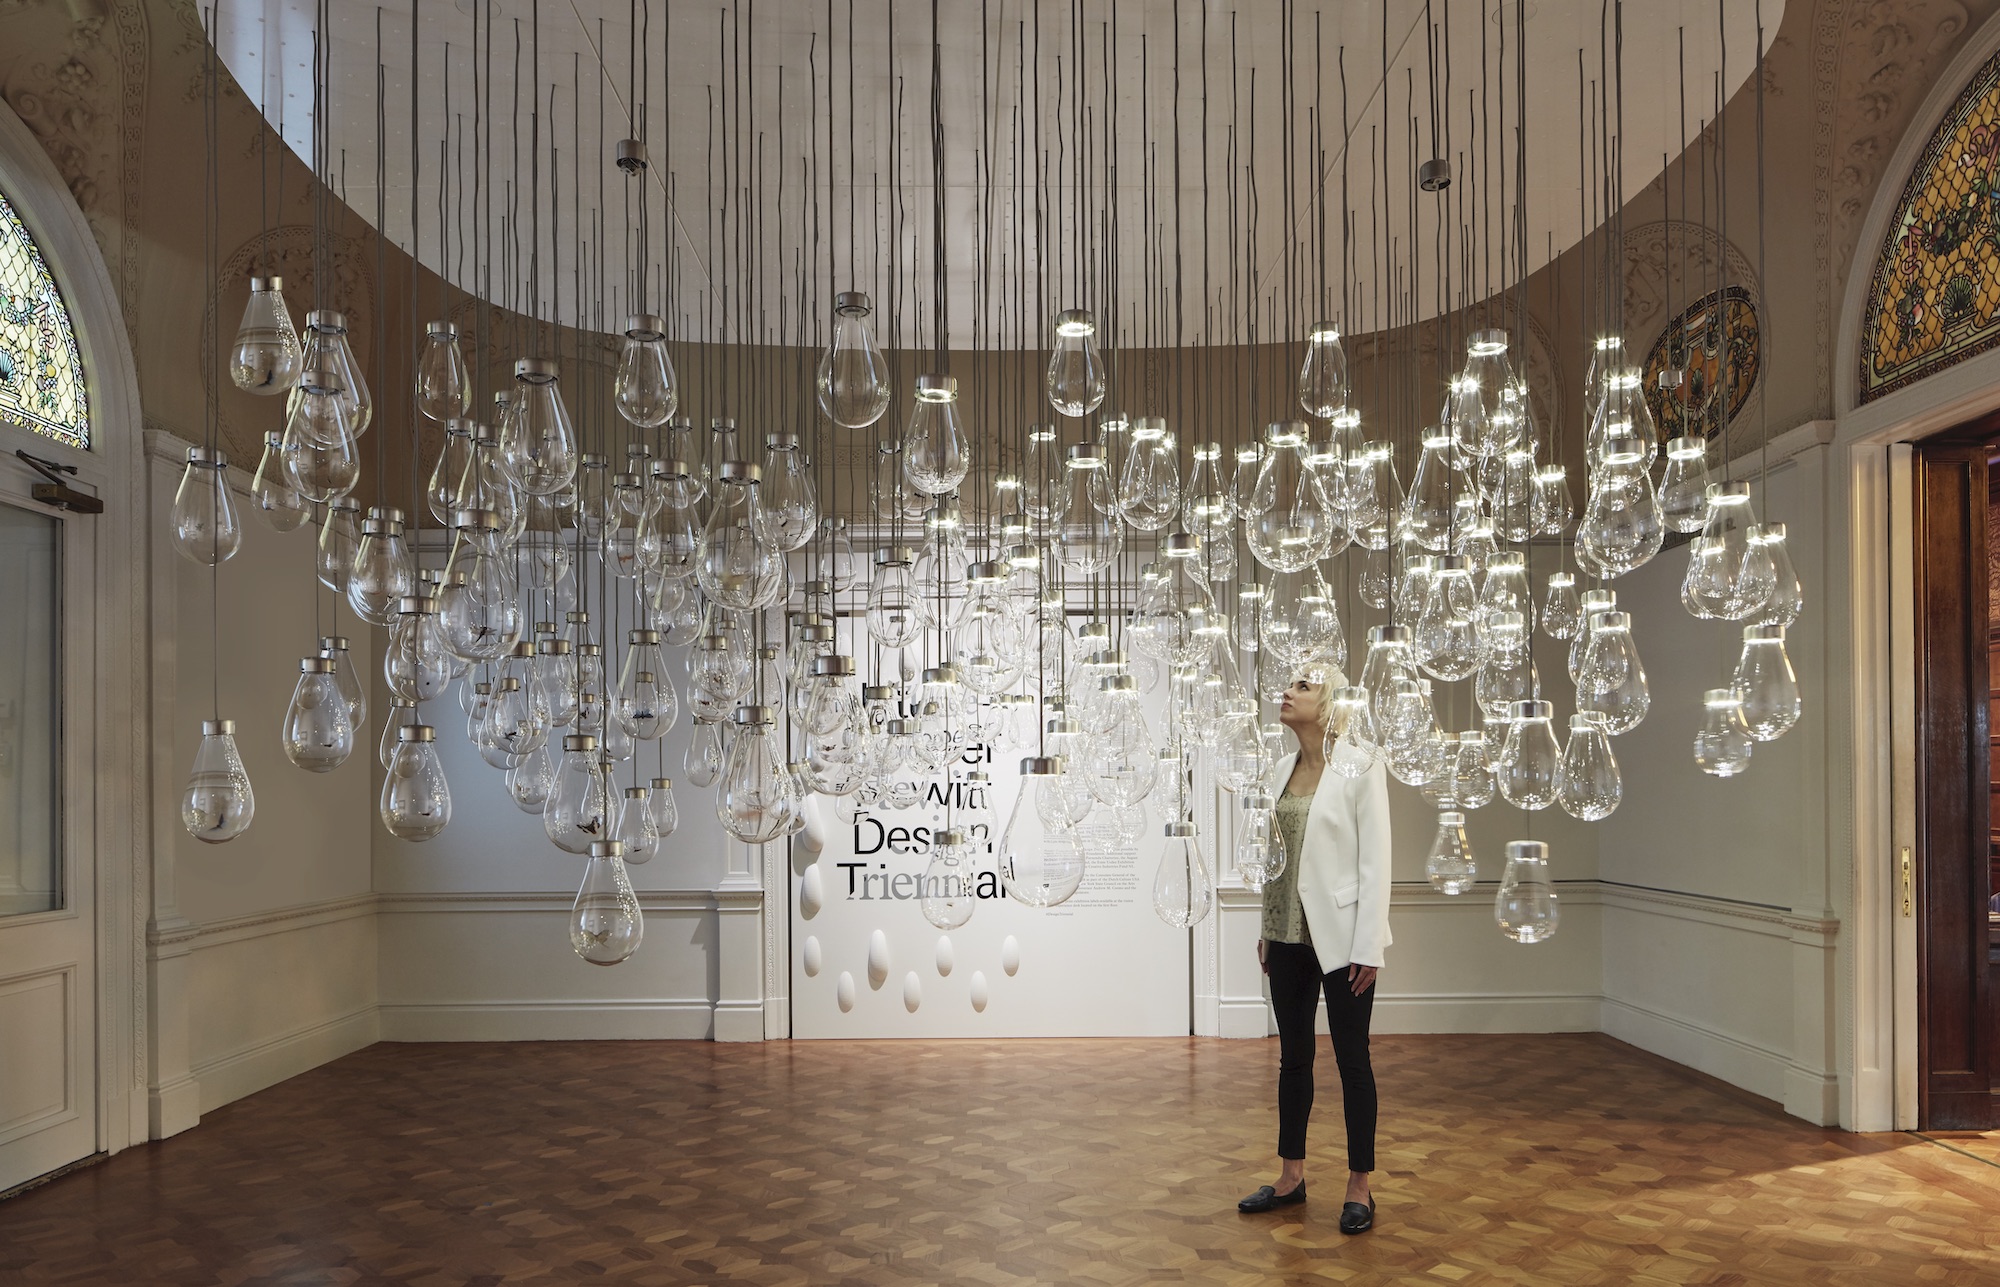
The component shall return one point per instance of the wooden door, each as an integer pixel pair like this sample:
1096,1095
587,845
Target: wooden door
1955,1014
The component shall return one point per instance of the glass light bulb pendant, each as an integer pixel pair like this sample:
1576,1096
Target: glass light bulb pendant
444,384
272,496
660,803
1684,489
1040,865
1149,487
384,571
734,556
1590,787
1089,538
645,387
757,796
538,446
329,354
218,804
936,455
948,891
1610,681
1184,886
1289,521
206,529
605,923
267,356
1730,575
1076,377
578,813
1723,745
1766,685
636,829
416,799
853,380
1450,866
1525,906
317,733
1323,387
1530,766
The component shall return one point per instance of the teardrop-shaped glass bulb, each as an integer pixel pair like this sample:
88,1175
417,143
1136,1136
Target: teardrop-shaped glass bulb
444,384
1622,413
205,526
416,663
1450,866
479,608
936,454
442,491
605,923
1684,488
218,804
853,379
1149,488
319,455
1787,597
1610,681
537,441
1040,866
317,734
787,502
578,813
636,829
531,781
339,541
384,570
400,713
1590,787
947,891
1447,631
734,556
1621,528
1184,885
416,799
646,705
329,365
1723,744
660,803
702,763
1734,576
1076,377
1766,684
1562,611
1323,387
645,387
1089,538
1289,521
267,356
1530,760
1260,851
347,677
755,800
1551,507
1525,906
1428,506
272,496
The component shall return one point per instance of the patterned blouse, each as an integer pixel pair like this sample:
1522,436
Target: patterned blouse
1284,917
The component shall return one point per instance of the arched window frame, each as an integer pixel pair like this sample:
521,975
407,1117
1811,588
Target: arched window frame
42,385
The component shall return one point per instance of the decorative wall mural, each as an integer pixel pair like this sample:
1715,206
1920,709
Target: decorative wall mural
41,372
1934,299
1718,346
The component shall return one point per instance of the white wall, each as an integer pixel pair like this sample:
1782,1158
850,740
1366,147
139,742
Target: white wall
264,947
1717,933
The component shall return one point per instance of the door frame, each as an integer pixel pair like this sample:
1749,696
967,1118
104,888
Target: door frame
123,822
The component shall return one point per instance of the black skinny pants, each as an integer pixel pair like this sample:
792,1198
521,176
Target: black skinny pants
1295,989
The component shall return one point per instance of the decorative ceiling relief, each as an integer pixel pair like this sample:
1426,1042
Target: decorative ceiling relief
1934,298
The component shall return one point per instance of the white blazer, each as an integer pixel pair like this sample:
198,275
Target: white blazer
1344,871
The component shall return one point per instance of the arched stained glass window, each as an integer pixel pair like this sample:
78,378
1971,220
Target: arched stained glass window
41,373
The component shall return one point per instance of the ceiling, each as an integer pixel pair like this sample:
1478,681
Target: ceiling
1219,208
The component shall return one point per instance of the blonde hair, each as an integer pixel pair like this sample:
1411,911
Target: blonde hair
1329,677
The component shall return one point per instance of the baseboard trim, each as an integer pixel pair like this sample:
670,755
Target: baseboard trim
1243,1017
663,1019
1449,1012
253,1068
1757,1069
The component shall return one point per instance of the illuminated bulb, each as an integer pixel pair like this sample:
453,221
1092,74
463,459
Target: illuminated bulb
1562,611
1260,851
1525,906
1730,575
1550,506
1610,681
218,804
1289,522
1427,509
1149,486
267,356
936,455
1076,377
1684,488
1723,745
1484,420
1621,528
605,923
1530,760
1621,413
1787,597
853,378
1765,683
1589,788
317,734
205,526
1447,634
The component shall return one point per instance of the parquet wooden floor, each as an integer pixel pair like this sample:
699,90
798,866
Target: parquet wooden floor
1564,1159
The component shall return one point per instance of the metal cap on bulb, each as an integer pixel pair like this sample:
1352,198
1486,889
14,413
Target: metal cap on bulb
589,650
553,647
416,603
739,471
752,715
1181,545
949,836
853,303
1519,711
480,519
663,784
836,666
272,438
781,441
1072,322
1763,634
416,733
330,321
218,728
316,666
1733,489
336,642
637,792
937,388
535,370
1177,829
445,329
722,424
1118,684
645,327
524,648
579,742
642,636
1041,766
878,693
1085,455
607,849
511,684
903,727
266,284
890,556
672,469
985,570
629,482
203,456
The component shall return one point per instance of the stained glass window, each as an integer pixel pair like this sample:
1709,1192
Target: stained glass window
1934,299
41,373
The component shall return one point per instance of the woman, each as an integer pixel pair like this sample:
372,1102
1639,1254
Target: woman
1326,921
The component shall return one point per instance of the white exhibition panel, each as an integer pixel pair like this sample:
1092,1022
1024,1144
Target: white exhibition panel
865,962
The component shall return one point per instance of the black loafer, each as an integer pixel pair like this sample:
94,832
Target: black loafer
1269,1199
1355,1218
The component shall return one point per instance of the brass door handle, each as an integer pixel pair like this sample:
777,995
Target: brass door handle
1909,883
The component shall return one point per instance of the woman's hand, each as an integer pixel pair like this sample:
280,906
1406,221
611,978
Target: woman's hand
1360,977
1262,963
